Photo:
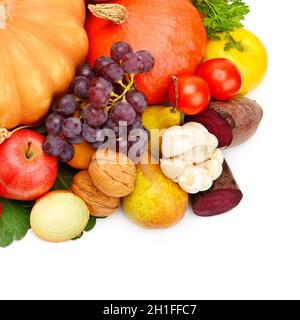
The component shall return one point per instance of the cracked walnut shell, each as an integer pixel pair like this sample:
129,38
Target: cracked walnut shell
112,173
99,204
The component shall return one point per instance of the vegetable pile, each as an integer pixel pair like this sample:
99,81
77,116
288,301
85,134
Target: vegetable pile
140,119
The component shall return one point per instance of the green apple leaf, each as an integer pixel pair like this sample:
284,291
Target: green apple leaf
14,221
64,177
90,226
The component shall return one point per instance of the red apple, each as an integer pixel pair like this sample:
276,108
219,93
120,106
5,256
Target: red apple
26,172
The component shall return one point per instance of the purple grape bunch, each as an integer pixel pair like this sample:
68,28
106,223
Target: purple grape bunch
100,97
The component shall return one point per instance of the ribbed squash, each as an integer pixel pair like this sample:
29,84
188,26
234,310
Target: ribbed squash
41,43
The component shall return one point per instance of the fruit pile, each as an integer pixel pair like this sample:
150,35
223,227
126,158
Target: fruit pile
146,111
100,97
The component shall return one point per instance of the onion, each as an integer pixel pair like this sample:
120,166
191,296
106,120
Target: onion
59,216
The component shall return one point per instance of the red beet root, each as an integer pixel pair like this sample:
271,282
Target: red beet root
215,124
224,195
232,122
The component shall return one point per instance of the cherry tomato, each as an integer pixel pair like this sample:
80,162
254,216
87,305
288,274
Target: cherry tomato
193,94
223,78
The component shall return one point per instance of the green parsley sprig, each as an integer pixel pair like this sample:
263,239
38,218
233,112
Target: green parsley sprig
223,16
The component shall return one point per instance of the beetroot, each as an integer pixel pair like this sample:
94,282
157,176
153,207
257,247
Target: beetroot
232,122
224,195
215,124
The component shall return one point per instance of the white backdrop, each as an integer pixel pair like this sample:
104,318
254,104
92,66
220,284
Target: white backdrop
252,252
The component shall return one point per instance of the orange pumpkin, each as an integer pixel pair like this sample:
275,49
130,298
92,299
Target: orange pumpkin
41,43
171,30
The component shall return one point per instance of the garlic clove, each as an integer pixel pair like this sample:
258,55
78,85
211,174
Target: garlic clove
214,168
196,125
211,144
218,155
197,133
195,179
196,155
176,142
172,168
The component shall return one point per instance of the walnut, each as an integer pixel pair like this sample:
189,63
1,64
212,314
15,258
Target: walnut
99,204
112,173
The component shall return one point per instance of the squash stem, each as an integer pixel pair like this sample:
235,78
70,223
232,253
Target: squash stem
3,14
114,12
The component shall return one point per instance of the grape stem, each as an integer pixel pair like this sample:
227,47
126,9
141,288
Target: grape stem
120,82
126,89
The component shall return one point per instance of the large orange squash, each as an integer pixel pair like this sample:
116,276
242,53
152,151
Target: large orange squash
171,30
41,43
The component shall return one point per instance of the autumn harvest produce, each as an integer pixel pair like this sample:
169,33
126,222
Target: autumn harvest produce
100,204
27,172
224,195
38,59
121,105
232,122
59,216
251,58
173,32
144,205
190,157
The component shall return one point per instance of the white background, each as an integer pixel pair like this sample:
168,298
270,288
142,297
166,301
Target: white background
252,252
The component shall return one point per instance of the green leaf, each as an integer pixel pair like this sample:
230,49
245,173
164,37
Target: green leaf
222,16
90,226
14,221
64,177
231,43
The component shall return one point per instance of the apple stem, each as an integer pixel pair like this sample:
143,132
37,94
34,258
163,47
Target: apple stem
29,143
176,95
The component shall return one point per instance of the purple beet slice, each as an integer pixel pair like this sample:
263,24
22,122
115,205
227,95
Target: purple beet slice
232,122
224,196
215,124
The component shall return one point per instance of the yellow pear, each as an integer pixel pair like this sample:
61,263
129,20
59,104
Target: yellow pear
156,202
157,118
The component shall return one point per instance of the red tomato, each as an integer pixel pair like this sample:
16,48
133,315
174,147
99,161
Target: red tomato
223,77
193,94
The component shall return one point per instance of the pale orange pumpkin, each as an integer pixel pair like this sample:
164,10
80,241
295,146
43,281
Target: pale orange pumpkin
41,43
